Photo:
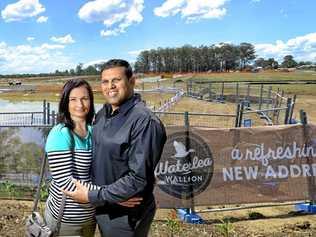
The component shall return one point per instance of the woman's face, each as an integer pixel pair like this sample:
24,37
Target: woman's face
79,103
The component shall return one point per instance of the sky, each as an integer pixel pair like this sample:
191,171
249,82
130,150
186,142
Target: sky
41,36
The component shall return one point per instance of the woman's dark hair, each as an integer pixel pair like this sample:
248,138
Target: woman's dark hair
63,108
118,63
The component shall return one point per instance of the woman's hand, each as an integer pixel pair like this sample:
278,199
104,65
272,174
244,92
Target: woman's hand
132,202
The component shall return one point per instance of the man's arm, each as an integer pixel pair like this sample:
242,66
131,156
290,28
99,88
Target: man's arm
146,146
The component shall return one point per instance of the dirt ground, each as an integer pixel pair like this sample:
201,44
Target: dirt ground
259,222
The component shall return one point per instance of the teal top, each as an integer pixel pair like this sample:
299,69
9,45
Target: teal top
59,139
69,158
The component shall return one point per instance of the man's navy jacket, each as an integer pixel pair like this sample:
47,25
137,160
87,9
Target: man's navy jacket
127,145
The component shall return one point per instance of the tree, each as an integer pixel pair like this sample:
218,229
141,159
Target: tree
260,62
72,72
246,54
90,70
79,70
9,149
289,62
271,64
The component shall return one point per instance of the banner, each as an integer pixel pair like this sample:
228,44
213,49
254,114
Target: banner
202,166
205,166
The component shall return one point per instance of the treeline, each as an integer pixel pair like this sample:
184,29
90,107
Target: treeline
215,58
288,62
78,71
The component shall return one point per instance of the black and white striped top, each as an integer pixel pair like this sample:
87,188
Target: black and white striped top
69,156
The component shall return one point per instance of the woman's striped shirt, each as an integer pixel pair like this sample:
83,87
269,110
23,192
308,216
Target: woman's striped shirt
69,156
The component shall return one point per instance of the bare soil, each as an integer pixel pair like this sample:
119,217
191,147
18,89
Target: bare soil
259,222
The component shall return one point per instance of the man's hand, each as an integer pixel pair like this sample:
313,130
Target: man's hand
132,202
80,194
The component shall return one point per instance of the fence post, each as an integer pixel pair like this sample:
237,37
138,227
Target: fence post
261,94
281,99
53,118
241,111
222,93
269,97
303,119
237,115
237,92
276,102
287,111
280,104
48,113
32,117
311,179
44,111
187,145
292,108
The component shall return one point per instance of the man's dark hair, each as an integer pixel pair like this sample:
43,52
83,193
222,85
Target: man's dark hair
63,114
119,63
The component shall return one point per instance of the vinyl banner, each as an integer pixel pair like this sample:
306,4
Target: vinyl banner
205,166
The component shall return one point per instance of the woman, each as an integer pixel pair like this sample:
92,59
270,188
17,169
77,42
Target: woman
69,153
68,149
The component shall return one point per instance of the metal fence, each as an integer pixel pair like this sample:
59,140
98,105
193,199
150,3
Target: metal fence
38,118
21,118
197,119
244,114
29,119
257,104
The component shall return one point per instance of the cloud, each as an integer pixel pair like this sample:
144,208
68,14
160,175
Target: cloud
67,39
33,59
192,10
92,63
106,33
135,53
116,15
21,10
303,48
30,38
42,19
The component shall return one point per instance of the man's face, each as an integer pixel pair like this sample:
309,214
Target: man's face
116,87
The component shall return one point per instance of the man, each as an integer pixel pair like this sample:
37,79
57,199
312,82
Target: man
128,140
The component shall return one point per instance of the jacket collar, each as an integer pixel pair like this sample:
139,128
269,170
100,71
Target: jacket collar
123,108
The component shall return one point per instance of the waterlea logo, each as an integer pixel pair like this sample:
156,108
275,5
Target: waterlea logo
186,165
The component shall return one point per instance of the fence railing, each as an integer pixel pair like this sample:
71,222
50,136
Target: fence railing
21,118
257,104
244,113
29,119
197,119
33,118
